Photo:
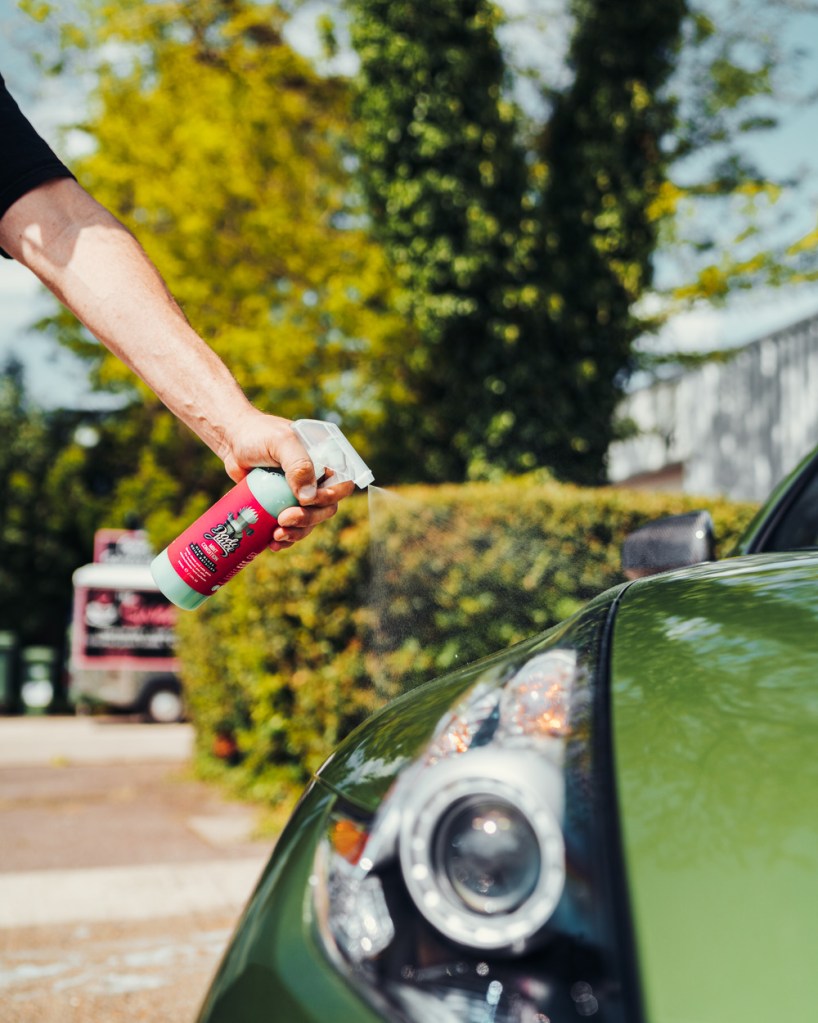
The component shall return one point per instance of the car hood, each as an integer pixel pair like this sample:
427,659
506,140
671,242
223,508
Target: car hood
714,687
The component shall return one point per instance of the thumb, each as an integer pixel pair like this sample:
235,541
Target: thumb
300,475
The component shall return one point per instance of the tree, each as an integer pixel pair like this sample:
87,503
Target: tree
521,359
54,495
729,223
445,176
604,149
520,268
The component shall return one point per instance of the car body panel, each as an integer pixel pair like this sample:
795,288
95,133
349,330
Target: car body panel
275,968
715,713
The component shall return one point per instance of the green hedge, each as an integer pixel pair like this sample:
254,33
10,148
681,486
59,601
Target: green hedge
304,644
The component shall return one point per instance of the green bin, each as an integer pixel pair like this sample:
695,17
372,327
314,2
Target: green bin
8,665
38,672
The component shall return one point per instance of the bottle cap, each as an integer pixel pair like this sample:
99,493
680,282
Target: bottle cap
329,449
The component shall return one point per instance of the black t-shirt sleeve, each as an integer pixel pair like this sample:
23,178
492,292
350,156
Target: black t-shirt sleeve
25,159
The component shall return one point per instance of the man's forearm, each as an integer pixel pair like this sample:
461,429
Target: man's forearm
98,269
101,273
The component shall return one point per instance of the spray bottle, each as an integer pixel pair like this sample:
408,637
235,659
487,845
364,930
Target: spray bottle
241,524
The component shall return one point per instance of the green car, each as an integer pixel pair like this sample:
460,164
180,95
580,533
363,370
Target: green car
616,819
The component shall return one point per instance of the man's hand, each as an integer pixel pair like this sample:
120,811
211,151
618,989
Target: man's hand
263,440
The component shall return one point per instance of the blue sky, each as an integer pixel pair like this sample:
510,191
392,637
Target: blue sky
55,377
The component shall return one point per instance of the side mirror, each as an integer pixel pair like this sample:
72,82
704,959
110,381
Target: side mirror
673,542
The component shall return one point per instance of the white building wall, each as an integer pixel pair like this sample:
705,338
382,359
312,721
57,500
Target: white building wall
736,427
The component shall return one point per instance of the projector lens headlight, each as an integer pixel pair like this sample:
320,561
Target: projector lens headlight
447,862
488,853
481,849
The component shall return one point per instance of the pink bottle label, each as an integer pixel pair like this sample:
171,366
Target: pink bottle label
222,541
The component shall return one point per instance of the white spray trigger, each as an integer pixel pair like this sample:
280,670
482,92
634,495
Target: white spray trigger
329,449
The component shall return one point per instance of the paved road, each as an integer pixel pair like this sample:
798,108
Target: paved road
88,740
121,877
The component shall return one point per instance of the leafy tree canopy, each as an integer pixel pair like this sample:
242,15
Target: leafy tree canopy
463,282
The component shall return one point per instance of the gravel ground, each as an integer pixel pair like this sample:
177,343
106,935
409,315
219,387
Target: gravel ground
156,970
75,825
104,815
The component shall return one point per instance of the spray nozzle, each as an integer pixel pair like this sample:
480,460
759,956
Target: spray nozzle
328,448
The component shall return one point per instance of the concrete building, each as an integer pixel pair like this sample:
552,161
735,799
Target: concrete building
733,428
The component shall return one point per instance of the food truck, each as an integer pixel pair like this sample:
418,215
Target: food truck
122,632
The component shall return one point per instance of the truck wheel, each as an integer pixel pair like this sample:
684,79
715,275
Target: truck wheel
163,704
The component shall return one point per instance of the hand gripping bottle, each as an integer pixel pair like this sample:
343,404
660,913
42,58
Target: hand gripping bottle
240,525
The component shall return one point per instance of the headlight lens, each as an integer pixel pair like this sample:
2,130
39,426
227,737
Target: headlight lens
481,848
486,851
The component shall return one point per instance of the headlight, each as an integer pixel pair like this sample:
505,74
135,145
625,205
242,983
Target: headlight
481,848
475,825
485,886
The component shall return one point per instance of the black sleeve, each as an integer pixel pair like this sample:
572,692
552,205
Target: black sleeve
25,159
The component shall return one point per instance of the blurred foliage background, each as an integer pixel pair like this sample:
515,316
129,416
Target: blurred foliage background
398,242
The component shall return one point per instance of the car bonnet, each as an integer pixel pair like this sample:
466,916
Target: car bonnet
714,687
